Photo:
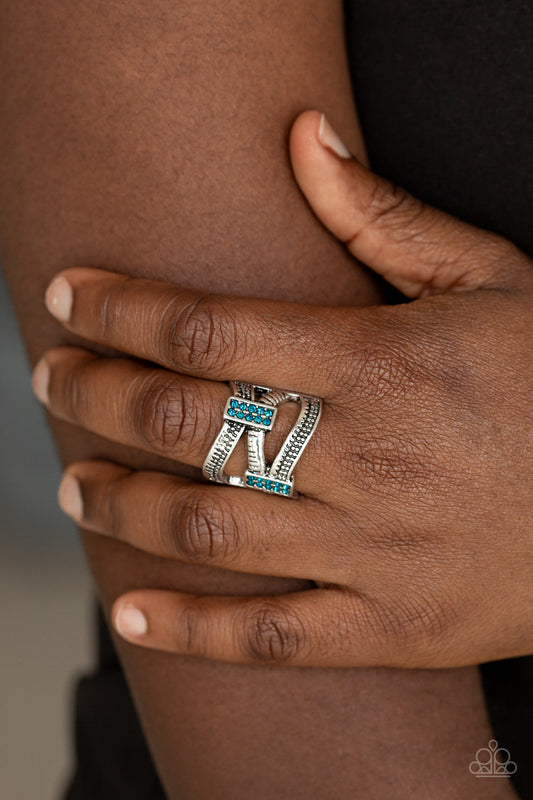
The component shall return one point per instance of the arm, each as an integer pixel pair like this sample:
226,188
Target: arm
150,141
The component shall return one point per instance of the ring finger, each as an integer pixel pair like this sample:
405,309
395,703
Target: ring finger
199,523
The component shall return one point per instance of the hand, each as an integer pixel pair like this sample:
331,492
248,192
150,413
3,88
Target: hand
416,509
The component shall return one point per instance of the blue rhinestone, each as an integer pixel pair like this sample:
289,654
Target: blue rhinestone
252,408
259,483
240,415
234,403
248,418
268,485
243,406
257,420
268,412
250,480
286,490
231,412
266,421
277,487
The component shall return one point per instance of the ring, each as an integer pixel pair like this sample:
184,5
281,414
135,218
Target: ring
253,409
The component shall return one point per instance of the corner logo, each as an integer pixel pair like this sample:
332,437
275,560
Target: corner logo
492,762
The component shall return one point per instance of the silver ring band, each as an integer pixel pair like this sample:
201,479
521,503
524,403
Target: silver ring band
252,409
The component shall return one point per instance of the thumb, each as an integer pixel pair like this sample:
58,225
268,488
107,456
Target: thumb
418,249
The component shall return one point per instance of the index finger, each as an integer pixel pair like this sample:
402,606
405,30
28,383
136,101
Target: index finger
209,336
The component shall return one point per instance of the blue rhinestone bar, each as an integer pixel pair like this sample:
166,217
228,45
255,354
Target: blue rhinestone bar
269,485
253,415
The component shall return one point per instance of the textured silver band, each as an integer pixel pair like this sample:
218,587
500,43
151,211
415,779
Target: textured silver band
252,409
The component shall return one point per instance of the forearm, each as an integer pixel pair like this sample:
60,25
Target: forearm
154,142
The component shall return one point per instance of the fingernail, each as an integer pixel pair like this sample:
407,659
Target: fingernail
328,138
130,621
58,299
40,380
69,497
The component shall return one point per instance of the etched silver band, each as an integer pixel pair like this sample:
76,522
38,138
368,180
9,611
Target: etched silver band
252,409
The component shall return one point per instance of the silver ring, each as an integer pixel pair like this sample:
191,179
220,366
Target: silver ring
253,409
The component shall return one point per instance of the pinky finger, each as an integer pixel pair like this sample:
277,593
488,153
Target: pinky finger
316,628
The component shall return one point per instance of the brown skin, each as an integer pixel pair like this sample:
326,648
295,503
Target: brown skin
423,446
152,142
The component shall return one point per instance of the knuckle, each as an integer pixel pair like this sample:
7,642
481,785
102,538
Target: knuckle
77,388
500,251
114,306
205,531
391,460
414,627
398,541
397,443
189,629
168,415
272,634
201,338
72,394
383,371
392,206
105,501
502,260
109,511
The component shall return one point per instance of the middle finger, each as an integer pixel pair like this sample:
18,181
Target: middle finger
156,410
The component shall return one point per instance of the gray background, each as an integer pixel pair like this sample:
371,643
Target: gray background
44,590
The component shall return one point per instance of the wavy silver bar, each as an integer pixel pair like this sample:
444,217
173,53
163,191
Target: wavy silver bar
252,408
